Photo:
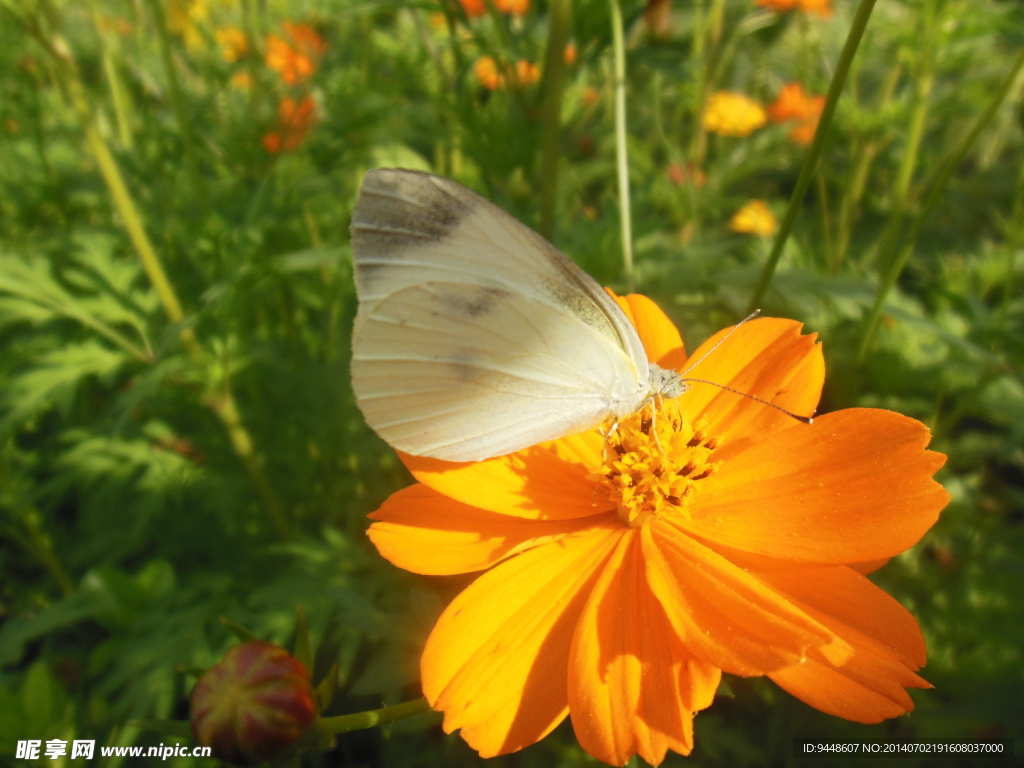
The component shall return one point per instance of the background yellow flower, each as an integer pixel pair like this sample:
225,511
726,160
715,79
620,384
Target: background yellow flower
754,218
732,114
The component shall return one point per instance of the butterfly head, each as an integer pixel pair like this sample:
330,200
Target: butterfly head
662,382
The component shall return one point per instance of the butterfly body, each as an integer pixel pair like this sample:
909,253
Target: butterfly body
475,337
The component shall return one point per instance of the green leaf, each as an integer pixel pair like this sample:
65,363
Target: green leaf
54,378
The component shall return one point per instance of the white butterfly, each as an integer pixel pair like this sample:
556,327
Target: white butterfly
475,337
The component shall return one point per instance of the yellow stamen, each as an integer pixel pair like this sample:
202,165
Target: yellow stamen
654,461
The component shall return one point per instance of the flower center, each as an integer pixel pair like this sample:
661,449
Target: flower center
653,462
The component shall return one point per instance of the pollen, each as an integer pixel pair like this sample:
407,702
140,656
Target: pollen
653,463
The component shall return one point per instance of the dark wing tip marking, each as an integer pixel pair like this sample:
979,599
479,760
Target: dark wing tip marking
399,209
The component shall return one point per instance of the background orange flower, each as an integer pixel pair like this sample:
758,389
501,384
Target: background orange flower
729,542
527,72
476,8
485,69
295,61
818,7
294,122
793,103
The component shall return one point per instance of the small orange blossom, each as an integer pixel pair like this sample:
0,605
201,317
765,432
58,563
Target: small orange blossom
818,7
527,72
295,61
486,71
680,174
241,80
294,121
724,537
475,8
793,103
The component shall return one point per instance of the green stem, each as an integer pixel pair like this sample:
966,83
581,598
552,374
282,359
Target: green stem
559,16
621,156
826,223
362,720
865,152
713,33
853,38
889,239
177,102
118,94
889,278
39,544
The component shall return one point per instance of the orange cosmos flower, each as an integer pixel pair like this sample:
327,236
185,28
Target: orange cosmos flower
241,80
754,218
486,71
527,72
732,114
476,8
294,121
793,103
818,7
295,61
623,577
679,174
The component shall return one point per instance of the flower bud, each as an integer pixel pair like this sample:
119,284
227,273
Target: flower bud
253,704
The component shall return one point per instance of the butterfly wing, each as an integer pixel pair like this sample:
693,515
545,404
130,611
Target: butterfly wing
475,337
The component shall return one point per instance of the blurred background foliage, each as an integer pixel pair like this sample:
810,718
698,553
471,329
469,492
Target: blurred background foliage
178,437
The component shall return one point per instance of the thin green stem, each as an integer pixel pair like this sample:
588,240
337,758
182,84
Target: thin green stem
621,154
375,717
892,274
864,154
713,34
826,219
898,200
177,102
559,17
118,93
39,544
853,38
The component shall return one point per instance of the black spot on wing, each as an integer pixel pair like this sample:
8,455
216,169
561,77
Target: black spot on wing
398,210
470,301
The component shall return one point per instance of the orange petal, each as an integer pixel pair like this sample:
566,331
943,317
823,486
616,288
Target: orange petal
854,486
767,358
847,693
497,662
534,483
870,566
867,688
422,531
725,616
658,334
632,685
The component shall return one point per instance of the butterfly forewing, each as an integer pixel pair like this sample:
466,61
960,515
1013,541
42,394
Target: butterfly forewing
475,337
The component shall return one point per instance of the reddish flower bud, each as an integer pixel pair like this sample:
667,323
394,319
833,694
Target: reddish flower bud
253,704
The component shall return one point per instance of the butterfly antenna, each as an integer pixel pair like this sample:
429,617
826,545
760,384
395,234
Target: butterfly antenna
802,419
721,341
